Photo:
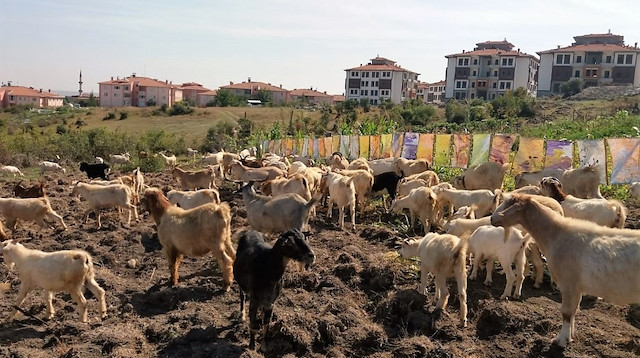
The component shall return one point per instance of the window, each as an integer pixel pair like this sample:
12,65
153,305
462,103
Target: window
474,73
495,85
504,62
577,73
115,95
473,85
475,61
591,72
366,92
461,84
501,85
496,63
607,74
495,73
362,92
628,59
558,58
608,59
510,62
578,59
106,94
354,74
620,59
508,85
117,87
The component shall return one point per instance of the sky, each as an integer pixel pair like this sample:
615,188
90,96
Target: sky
298,44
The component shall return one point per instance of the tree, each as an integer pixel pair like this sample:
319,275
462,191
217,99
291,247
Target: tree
265,96
364,104
455,112
574,86
224,98
92,102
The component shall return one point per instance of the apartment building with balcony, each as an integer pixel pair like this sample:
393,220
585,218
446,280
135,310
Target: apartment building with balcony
492,68
597,59
11,96
435,92
250,89
138,92
379,80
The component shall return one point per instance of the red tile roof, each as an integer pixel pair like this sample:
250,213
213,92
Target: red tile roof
338,98
141,81
393,68
598,35
208,93
592,47
307,92
438,83
28,92
254,85
197,88
491,52
113,82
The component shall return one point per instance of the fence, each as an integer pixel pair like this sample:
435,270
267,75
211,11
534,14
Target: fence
464,150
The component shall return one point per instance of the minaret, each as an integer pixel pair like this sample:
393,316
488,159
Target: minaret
80,83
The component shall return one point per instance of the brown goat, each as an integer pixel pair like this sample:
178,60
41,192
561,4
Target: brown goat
35,191
193,232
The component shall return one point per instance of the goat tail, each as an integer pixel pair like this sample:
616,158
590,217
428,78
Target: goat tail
460,254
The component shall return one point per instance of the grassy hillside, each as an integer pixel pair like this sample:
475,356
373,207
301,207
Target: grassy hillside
192,127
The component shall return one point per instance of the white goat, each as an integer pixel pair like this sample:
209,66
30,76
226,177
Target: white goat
169,160
363,182
102,197
192,153
68,270
583,258
98,160
604,212
28,209
421,202
484,200
487,242
487,175
10,169
192,199
46,166
343,193
119,159
445,256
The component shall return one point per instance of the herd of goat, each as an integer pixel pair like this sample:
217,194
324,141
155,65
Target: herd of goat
556,214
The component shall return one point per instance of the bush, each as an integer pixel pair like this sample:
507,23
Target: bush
455,112
180,108
151,164
574,86
110,115
123,115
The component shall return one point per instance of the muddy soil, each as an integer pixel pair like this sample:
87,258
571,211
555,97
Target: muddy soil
358,299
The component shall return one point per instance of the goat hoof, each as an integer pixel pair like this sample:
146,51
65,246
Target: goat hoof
487,283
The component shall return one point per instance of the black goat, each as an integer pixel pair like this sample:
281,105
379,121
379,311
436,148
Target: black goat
388,181
100,170
258,269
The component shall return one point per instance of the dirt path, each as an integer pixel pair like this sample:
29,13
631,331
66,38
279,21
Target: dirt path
358,300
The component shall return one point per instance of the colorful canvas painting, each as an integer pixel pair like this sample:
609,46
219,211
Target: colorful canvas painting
385,141
501,148
374,147
316,148
305,148
559,154
354,147
425,147
344,145
364,146
335,144
461,148
592,152
624,160
480,149
328,146
396,144
443,146
530,156
410,145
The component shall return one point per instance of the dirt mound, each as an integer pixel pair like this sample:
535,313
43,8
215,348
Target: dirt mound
358,299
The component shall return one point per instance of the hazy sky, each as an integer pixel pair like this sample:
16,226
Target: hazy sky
298,44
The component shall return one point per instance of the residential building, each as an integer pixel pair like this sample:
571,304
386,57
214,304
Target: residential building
423,89
379,80
435,92
337,98
190,91
492,68
205,97
597,59
138,92
11,96
310,96
250,89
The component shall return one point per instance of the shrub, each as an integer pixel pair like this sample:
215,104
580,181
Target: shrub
455,112
123,115
574,86
180,108
110,115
